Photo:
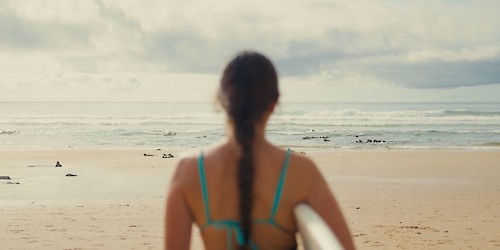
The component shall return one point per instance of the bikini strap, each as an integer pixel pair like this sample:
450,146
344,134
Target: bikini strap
204,190
279,189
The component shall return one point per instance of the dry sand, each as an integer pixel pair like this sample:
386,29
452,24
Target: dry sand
392,199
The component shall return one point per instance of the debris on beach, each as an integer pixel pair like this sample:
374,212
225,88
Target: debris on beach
71,175
148,155
5,177
58,165
375,141
314,137
168,156
371,141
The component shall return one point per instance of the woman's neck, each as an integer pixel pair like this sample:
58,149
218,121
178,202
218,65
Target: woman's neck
258,140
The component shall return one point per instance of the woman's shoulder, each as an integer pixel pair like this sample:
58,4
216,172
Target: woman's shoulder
297,160
302,169
186,168
302,162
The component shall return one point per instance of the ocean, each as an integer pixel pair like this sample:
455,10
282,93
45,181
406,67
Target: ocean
297,125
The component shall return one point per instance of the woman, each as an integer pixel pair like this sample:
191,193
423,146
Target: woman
242,191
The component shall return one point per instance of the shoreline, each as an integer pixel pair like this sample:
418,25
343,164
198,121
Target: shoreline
392,199
284,146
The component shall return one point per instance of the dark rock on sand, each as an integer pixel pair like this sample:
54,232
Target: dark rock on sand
58,165
71,175
168,156
374,141
148,155
4,177
314,137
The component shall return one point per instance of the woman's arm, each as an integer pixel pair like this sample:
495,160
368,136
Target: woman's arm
322,201
178,220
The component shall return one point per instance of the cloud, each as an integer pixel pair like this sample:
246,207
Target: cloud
413,44
435,74
129,83
18,33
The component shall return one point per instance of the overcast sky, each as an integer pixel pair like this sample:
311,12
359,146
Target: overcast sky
174,50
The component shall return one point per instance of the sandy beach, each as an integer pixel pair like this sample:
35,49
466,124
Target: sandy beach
429,199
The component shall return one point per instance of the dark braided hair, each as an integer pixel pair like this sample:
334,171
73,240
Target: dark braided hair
249,86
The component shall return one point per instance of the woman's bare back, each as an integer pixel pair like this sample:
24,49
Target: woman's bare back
220,163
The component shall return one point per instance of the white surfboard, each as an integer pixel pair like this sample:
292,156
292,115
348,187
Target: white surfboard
313,230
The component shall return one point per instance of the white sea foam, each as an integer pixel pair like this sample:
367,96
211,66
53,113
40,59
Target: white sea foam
402,125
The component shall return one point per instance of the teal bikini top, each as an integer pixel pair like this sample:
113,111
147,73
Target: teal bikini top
233,226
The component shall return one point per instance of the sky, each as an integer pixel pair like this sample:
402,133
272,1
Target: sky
324,50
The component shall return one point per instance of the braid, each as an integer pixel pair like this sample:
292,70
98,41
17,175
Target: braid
244,119
244,136
248,87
